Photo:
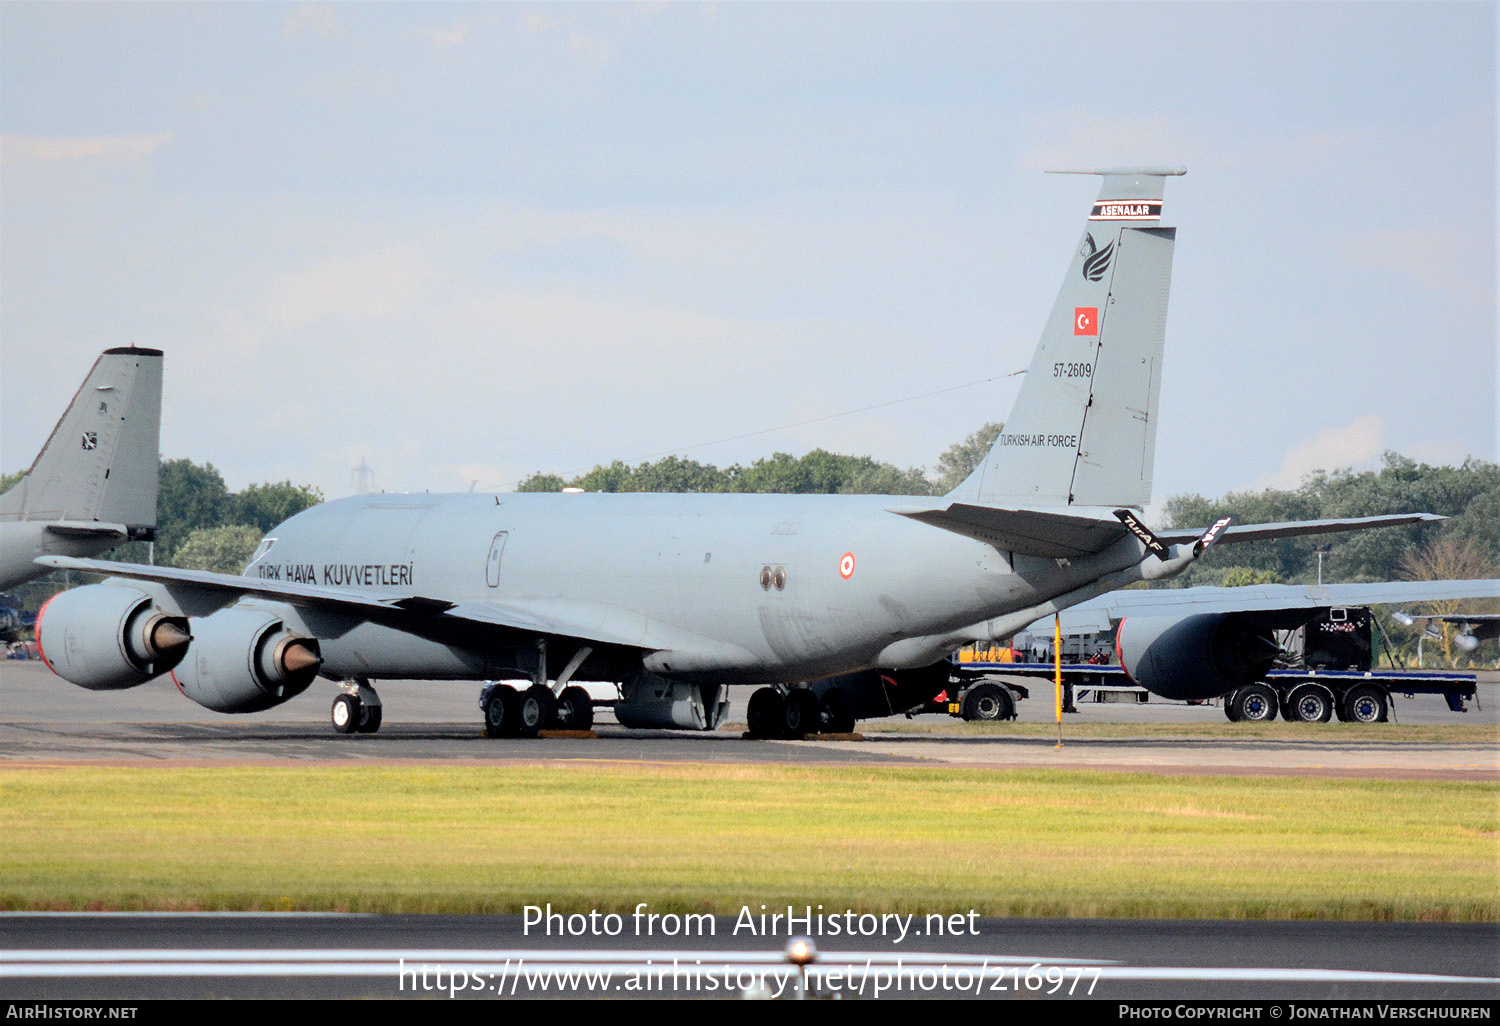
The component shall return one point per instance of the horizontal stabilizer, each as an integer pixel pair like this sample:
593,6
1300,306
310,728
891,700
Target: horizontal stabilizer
1264,532
87,529
1043,533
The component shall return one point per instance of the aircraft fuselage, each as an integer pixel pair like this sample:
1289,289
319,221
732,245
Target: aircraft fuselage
743,588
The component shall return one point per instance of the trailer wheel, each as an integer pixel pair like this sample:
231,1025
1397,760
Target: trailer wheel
1255,704
988,703
1366,704
1310,703
1229,708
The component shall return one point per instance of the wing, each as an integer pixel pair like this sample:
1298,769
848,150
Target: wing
573,621
1262,598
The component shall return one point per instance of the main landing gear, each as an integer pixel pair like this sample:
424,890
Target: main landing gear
356,710
512,713
795,712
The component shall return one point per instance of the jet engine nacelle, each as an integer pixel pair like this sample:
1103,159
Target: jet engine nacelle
106,637
245,660
650,701
1194,657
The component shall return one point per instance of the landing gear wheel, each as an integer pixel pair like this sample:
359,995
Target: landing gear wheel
1229,712
988,703
799,716
836,718
538,710
1365,704
763,715
575,709
1254,704
369,718
345,713
1310,703
502,713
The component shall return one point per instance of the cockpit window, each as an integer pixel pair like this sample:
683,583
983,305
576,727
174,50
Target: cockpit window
262,549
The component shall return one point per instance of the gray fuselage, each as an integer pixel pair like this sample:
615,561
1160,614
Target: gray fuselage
677,575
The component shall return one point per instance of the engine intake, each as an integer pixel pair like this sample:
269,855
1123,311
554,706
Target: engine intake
245,660
1194,657
107,637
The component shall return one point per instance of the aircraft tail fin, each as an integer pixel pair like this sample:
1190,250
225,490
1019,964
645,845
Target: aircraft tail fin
1083,428
101,461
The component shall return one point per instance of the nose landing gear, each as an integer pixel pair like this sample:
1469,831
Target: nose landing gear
356,709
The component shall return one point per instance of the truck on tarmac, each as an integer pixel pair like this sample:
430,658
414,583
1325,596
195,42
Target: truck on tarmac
1327,669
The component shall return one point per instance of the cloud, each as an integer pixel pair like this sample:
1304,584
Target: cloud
372,285
1335,448
118,148
1452,259
317,19
536,21
1079,140
451,36
596,52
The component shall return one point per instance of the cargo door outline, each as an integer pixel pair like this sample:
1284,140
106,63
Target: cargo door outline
492,564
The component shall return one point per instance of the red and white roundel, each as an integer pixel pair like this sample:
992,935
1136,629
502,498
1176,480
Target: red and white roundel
846,566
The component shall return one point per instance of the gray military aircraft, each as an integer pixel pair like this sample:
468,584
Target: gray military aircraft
93,485
676,597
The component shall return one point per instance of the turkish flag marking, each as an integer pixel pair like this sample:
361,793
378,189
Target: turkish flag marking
1085,320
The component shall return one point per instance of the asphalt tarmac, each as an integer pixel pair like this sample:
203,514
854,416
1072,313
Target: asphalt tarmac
44,719
131,957
123,956
29,693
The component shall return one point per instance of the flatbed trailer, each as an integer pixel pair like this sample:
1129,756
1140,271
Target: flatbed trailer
1306,695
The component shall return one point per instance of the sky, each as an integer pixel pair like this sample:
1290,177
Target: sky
469,242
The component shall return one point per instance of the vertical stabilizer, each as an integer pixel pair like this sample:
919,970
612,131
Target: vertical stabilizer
101,461
1083,428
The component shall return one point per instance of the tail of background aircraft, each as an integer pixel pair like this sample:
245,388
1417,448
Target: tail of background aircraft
101,462
1083,428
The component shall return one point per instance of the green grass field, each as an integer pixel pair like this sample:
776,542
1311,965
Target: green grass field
713,838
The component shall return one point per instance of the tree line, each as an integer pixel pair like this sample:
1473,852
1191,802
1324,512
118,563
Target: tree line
202,525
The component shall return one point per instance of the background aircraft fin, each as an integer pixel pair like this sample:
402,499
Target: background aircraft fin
101,461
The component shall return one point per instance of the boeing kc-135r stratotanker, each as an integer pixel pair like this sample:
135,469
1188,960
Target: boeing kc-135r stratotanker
839,606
